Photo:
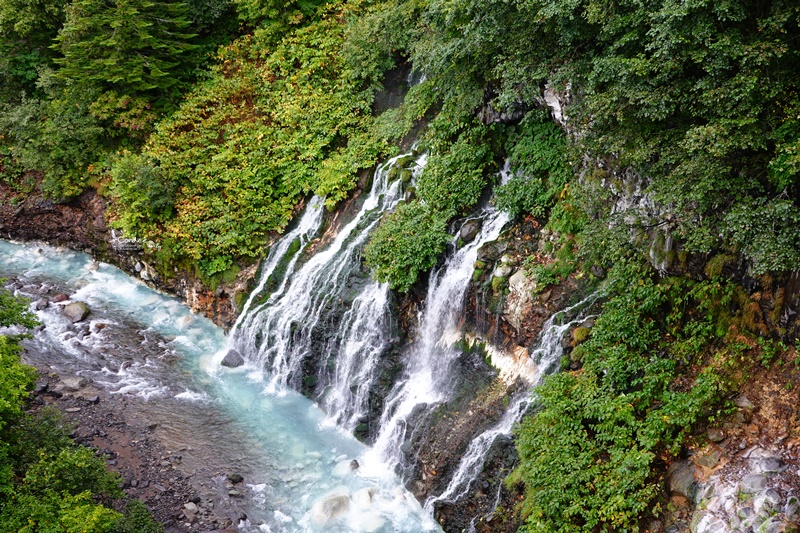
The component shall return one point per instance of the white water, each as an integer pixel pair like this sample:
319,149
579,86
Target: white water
152,346
330,311
546,356
309,225
426,379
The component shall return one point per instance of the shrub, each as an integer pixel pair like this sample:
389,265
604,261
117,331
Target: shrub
407,242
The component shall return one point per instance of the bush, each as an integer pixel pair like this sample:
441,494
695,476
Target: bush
408,242
455,175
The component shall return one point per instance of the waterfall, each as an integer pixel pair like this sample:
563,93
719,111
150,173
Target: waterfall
307,227
546,356
426,379
330,311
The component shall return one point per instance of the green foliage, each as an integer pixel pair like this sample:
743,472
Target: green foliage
137,520
767,232
537,151
455,174
56,135
138,185
274,120
407,243
128,45
588,455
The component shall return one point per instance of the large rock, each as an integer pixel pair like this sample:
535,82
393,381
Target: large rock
470,230
232,359
330,507
76,311
681,480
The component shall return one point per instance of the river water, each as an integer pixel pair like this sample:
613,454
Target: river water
146,344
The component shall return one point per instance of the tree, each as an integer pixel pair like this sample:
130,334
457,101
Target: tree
128,46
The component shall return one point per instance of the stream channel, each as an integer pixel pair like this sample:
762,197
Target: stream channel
138,342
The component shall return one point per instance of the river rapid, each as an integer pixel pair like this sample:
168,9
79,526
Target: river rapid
300,473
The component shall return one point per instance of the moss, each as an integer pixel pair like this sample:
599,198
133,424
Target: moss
477,274
580,334
716,264
498,283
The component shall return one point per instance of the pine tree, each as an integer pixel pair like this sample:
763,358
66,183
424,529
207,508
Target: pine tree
127,46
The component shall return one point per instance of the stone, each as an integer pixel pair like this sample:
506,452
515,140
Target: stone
770,465
470,230
503,270
364,496
76,311
753,483
234,493
744,403
709,460
191,507
232,359
60,297
74,384
715,434
330,507
42,304
235,478
73,409
681,480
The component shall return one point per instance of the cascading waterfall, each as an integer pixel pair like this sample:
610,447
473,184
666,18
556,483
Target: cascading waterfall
427,375
546,356
329,308
307,227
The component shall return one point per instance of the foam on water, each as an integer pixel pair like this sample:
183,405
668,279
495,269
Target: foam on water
154,347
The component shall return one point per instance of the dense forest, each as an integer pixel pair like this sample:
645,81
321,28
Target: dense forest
670,178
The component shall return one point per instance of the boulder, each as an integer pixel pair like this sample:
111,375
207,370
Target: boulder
60,297
232,359
753,483
470,230
330,507
680,479
72,384
76,311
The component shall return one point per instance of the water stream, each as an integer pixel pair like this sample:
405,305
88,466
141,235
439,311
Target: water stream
426,381
327,330
546,355
143,343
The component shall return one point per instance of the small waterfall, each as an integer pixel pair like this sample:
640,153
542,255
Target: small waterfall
427,375
329,310
307,227
546,356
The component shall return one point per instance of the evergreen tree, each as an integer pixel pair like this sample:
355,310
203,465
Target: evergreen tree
128,46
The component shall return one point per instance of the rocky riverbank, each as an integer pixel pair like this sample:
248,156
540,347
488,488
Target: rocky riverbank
182,497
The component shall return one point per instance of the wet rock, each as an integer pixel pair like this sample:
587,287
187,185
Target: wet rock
330,507
233,493
503,270
60,297
232,359
235,478
72,384
42,304
470,230
680,479
76,311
